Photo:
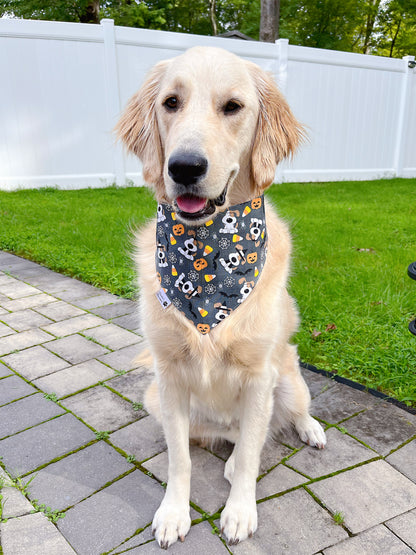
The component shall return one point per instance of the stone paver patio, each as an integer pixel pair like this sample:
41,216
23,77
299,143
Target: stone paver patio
83,467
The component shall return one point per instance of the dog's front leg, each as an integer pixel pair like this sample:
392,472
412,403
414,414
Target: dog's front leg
172,519
239,517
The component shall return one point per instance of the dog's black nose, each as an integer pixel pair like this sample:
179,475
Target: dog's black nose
187,168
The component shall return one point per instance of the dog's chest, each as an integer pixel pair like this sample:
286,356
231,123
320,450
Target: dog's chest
218,388
217,378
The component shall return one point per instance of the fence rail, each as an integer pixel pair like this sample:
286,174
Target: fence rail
63,86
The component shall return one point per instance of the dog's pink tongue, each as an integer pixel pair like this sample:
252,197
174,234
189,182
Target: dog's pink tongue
190,204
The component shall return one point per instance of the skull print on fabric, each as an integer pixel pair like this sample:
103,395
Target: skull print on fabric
207,271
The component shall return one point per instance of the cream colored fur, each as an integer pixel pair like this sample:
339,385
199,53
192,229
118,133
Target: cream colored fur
241,380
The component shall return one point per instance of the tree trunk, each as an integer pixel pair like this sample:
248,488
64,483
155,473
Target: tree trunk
369,28
269,20
212,17
393,42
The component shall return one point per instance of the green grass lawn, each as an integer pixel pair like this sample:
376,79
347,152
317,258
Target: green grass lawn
353,242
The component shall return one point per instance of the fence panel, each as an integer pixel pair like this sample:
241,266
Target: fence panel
349,105
63,86
52,106
409,141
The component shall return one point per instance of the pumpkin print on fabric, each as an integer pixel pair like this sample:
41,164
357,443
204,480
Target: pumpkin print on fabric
256,203
178,229
203,328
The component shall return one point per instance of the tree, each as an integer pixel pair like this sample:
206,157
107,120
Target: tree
372,9
243,15
396,28
386,27
250,23
82,11
212,16
269,20
329,24
129,13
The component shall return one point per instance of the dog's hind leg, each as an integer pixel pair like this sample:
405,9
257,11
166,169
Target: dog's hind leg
230,467
292,401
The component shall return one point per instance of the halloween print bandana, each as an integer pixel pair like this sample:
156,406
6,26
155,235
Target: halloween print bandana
207,271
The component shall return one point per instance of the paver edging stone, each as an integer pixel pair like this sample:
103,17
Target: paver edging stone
358,386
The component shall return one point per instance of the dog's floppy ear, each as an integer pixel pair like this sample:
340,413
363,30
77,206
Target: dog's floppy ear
138,128
278,132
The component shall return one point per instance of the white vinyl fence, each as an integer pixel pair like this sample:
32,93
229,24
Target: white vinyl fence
63,85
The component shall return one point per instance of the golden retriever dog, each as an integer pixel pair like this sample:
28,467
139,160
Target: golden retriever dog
210,129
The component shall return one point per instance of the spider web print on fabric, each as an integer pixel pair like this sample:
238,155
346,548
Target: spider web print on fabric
207,271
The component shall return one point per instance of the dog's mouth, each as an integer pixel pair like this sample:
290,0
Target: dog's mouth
192,207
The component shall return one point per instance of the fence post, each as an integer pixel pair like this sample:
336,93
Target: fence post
401,122
112,93
282,52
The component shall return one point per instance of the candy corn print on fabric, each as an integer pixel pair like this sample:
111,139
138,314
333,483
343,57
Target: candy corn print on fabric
207,271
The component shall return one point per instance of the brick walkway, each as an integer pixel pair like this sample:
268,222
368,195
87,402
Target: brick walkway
74,437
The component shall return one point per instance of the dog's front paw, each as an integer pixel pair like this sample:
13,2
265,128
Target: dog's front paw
170,523
238,521
311,432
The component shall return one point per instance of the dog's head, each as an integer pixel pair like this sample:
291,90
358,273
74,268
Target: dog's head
210,129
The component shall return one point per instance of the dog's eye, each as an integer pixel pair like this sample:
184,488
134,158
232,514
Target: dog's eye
232,107
171,103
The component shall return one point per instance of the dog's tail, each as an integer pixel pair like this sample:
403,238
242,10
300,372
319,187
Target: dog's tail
152,402
151,395
145,359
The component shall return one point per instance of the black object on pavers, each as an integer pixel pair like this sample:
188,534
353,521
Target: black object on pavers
411,270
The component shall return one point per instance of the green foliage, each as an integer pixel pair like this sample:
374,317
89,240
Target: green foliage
185,16
15,483
396,28
133,14
102,435
250,20
51,397
243,15
51,515
339,518
328,24
58,10
369,26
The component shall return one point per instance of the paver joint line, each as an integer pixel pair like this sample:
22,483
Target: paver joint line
110,488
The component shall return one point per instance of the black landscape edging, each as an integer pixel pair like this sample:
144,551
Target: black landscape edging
358,386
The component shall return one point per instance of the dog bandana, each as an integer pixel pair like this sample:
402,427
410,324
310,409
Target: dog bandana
207,271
